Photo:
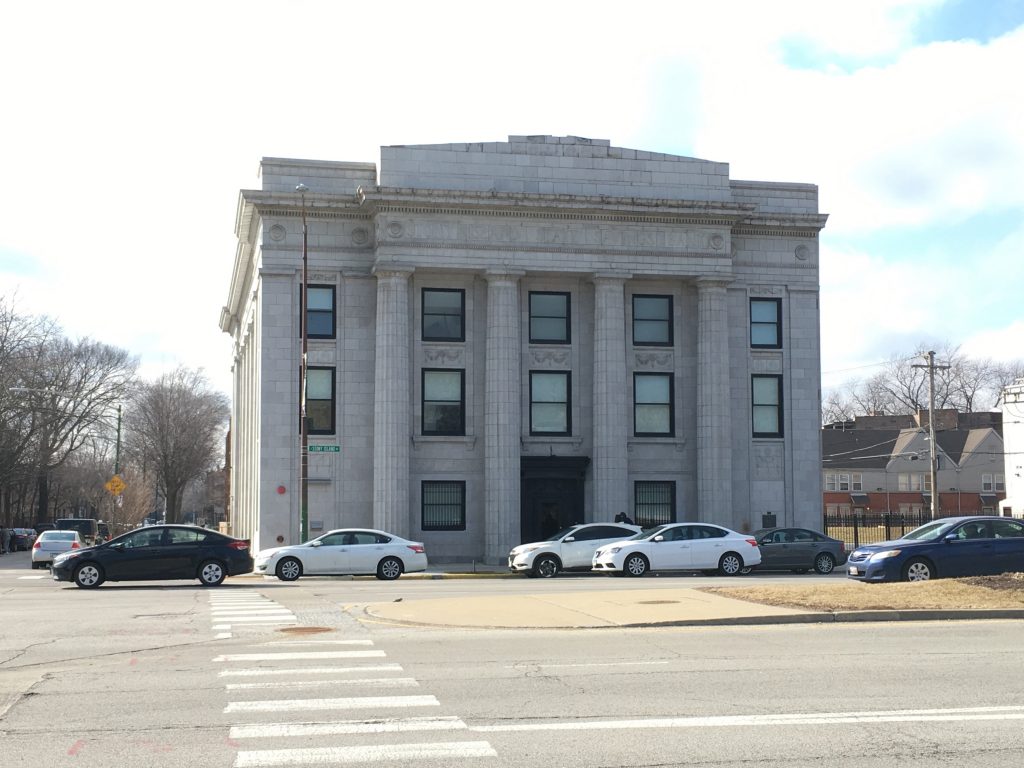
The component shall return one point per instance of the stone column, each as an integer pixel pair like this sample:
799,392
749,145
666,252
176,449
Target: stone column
611,396
502,415
714,429
391,418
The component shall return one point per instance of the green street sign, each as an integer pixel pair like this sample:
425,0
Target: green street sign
324,448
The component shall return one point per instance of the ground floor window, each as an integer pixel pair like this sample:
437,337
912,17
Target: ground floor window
443,505
654,502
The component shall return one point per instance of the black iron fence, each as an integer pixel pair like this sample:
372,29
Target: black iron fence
856,528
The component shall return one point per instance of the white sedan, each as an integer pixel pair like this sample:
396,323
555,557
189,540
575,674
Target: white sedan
567,550
680,547
345,552
49,544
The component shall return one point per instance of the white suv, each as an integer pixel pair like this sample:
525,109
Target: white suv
567,550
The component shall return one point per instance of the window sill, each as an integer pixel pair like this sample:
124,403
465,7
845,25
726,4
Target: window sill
543,440
467,440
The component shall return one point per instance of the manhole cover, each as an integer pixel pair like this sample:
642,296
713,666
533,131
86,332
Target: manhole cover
658,602
305,630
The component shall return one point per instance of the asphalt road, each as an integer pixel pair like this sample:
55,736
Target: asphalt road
261,673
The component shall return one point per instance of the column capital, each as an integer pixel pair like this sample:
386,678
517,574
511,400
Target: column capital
391,269
711,282
498,275
611,276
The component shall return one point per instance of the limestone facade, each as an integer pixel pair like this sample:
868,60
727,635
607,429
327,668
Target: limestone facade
619,331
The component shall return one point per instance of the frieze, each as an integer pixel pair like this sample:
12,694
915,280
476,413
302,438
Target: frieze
571,234
766,290
655,360
549,357
443,355
767,461
322,277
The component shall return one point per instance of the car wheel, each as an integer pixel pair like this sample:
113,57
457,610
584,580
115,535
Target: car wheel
88,576
918,569
635,565
289,569
824,563
211,573
546,567
389,569
730,565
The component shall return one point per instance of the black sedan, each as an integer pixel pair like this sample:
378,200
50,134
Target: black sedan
157,552
951,546
798,550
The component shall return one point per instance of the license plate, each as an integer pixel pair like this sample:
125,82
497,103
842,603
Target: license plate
854,571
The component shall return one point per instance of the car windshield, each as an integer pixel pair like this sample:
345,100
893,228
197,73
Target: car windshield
932,530
649,533
565,532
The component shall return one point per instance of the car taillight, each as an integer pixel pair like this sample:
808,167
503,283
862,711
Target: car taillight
36,545
417,548
74,545
240,545
752,542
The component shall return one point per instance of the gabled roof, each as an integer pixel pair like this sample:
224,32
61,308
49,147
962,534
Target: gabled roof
857,448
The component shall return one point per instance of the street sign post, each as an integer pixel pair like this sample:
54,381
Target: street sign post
324,448
115,485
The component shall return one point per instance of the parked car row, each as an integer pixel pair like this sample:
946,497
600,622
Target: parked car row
958,546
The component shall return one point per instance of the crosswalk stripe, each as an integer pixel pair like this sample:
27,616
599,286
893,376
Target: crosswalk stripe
308,670
319,642
309,705
382,682
308,655
344,727
336,755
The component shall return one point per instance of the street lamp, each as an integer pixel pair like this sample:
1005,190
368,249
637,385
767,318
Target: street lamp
303,426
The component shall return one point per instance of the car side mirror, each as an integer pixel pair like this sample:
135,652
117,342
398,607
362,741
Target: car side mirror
950,537
315,543
659,537
119,546
766,540
567,539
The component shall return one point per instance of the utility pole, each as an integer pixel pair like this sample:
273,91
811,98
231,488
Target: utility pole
303,373
933,453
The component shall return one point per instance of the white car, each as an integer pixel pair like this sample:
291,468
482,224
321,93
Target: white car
49,544
345,552
680,547
567,550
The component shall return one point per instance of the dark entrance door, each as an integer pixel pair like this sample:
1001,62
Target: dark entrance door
551,494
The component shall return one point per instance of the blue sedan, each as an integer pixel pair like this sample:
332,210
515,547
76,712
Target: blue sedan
949,547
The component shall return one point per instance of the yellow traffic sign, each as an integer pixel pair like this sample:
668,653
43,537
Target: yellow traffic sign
115,485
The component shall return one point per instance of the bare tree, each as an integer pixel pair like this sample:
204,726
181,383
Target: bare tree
175,427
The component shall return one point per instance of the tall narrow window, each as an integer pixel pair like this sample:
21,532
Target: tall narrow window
652,321
654,503
652,404
443,505
444,406
549,318
766,405
444,311
550,403
320,400
320,310
766,323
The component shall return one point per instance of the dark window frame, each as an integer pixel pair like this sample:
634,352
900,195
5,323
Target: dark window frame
424,314
779,406
433,526
423,402
568,403
333,399
303,312
668,321
777,323
639,485
671,405
567,318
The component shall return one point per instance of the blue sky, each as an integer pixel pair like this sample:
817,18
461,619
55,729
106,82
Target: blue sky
134,127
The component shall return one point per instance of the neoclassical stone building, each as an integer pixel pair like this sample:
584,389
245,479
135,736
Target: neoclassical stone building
506,338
